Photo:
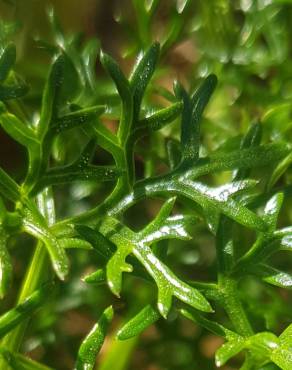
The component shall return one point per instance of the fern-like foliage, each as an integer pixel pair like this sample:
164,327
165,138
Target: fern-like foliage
69,101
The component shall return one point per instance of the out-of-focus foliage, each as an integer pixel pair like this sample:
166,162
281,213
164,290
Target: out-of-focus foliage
159,188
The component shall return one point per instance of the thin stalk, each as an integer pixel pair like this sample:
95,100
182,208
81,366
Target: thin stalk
233,306
227,285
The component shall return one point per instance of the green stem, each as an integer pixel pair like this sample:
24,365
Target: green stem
36,273
233,306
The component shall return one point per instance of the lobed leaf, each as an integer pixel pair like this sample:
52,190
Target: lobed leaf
165,227
257,156
191,117
117,265
221,199
61,86
35,225
168,284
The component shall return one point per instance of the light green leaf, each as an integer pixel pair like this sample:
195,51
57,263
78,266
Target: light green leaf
273,276
168,284
96,277
228,350
92,344
7,61
5,263
8,92
34,224
279,170
116,266
16,361
142,320
18,130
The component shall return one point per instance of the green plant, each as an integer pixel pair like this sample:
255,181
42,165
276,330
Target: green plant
244,203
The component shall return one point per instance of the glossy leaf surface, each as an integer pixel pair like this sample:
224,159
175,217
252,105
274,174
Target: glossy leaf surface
92,344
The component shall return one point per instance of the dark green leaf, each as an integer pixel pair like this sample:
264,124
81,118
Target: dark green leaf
113,69
99,242
191,117
142,74
69,174
159,119
61,86
8,92
173,153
